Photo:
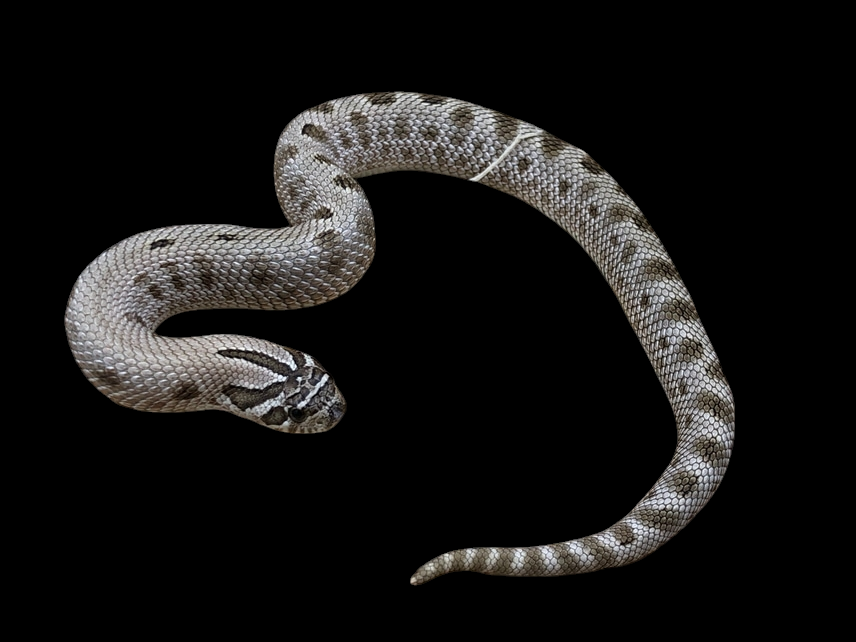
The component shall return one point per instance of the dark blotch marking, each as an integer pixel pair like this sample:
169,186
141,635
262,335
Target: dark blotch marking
506,126
714,370
314,131
628,252
523,164
207,276
603,555
186,391
346,182
552,146
709,402
677,310
245,398
324,159
591,165
322,212
155,245
265,361
177,282
623,533
463,116
155,291
382,98
142,276
660,269
690,350
563,187
134,317
593,210
327,238
625,213
286,152
684,483
430,132
360,122
710,450
276,416
431,99
227,237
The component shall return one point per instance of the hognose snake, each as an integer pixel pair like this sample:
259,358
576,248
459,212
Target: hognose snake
120,299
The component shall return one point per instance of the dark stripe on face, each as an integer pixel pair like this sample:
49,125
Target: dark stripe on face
245,398
264,360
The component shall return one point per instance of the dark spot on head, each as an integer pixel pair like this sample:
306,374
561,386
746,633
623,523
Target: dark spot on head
382,98
589,163
314,131
346,182
276,416
185,391
161,243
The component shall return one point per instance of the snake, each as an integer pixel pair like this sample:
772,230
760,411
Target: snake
120,299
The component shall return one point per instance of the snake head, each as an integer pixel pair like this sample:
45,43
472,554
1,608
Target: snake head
291,393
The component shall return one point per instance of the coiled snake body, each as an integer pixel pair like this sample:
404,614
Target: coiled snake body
122,297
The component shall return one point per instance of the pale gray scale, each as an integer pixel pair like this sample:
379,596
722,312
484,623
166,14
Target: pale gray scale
125,293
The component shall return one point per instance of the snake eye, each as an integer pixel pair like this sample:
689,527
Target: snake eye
297,414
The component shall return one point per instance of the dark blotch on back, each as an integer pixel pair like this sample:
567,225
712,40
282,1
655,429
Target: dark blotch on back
433,100
346,182
161,243
382,98
313,131
322,212
591,165
227,237
552,146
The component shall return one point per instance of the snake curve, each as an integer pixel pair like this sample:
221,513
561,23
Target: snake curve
123,295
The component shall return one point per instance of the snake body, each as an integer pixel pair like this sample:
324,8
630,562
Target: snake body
120,299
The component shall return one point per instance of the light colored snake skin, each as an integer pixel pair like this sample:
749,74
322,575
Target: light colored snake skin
122,297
